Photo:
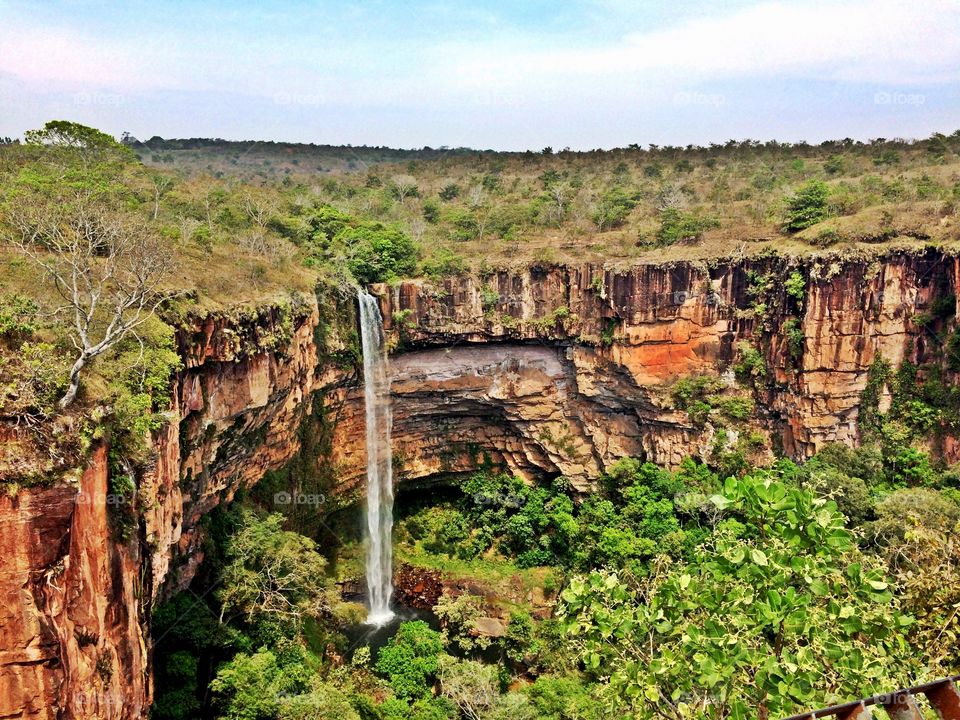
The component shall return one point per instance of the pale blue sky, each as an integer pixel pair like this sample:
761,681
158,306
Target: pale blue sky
505,74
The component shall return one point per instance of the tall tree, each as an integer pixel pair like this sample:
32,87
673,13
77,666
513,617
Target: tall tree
107,267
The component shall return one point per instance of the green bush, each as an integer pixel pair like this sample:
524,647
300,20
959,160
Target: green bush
750,366
612,210
808,207
377,253
431,211
449,192
795,285
778,610
321,703
796,339
18,317
250,687
677,226
834,165
443,263
410,660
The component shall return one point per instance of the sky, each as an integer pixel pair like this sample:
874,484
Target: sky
499,74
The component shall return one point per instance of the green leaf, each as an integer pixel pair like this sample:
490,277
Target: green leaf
720,501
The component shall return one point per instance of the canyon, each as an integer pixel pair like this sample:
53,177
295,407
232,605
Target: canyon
545,371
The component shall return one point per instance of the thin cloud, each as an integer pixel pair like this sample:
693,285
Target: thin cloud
888,41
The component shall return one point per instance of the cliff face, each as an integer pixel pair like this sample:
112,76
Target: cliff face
70,604
554,370
562,370
75,601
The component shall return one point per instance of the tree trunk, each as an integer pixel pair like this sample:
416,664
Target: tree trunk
71,393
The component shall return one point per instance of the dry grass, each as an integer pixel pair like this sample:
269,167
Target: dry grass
885,192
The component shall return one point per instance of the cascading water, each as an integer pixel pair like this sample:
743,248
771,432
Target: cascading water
376,394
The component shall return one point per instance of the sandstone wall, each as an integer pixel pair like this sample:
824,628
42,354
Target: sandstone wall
615,340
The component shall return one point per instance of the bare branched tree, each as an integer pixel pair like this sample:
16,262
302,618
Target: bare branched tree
403,186
109,270
161,185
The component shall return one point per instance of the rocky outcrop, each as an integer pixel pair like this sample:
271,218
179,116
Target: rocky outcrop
72,641
545,371
563,370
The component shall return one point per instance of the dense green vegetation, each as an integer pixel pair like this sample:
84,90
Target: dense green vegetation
684,592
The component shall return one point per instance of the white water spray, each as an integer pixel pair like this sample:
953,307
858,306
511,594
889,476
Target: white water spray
376,394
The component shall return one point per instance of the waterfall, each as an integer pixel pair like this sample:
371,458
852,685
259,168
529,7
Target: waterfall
376,394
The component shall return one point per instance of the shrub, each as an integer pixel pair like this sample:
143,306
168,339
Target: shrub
734,407
322,702
449,192
377,253
464,224
688,389
783,583
795,285
676,226
796,338
834,165
612,210
443,263
411,659
808,207
249,687
44,378
431,211
18,317
750,365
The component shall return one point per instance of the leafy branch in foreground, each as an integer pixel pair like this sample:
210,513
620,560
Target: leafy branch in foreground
782,612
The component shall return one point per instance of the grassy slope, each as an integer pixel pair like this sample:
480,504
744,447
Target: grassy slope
882,194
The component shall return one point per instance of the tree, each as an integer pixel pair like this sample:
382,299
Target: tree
272,573
807,207
108,268
248,687
410,660
376,253
916,531
403,186
470,684
87,144
161,184
321,703
778,612
679,226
